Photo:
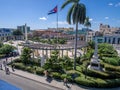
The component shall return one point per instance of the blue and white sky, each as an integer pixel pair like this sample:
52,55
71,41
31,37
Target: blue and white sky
34,13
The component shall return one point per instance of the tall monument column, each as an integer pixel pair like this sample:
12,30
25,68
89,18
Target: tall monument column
95,62
26,36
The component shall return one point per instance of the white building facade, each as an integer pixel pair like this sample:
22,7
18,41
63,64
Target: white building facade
5,34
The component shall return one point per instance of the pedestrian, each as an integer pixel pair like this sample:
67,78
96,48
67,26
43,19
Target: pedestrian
4,63
65,81
6,60
46,73
13,66
7,71
1,67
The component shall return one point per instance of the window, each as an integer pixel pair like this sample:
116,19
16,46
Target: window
113,41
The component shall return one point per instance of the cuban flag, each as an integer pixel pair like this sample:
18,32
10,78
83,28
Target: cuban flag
54,10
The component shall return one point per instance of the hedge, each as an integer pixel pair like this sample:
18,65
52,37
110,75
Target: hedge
19,66
97,74
112,68
29,69
97,83
56,75
112,60
40,71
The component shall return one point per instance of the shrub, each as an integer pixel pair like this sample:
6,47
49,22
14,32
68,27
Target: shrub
29,69
69,78
56,75
47,66
73,72
19,66
111,60
97,74
40,71
98,83
17,60
2,55
112,68
85,82
63,76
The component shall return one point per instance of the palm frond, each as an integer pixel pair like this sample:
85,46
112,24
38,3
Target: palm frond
69,14
82,13
75,14
68,2
87,22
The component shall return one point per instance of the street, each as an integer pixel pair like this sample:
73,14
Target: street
23,83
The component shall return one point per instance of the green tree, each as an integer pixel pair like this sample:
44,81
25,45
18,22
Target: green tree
53,62
76,14
6,49
25,56
67,63
17,32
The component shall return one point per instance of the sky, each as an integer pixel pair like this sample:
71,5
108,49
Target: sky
14,13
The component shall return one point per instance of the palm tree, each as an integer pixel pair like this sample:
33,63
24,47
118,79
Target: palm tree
76,14
87,24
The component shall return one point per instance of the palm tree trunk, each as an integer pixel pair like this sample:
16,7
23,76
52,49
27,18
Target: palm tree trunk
75,46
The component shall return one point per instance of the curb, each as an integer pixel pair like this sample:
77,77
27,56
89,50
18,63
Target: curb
35,80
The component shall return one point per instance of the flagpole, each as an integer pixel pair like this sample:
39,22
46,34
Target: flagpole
57,23
57,17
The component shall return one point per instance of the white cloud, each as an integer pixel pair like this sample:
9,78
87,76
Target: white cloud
106,17
117,5
91,19
110,4
43,18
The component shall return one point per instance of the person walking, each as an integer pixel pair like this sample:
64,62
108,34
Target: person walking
7,71
4,63
13,67
1,67
6,60
65,81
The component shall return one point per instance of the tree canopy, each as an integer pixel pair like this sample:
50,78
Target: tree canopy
17,32
6,49
25,56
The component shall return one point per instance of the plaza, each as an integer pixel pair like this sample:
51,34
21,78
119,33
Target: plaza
59,45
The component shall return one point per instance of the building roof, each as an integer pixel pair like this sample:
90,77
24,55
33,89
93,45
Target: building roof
79,32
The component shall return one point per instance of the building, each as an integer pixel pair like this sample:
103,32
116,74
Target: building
62,29
22,28
89,35
99,39
106,29
6,34
112,38
69,35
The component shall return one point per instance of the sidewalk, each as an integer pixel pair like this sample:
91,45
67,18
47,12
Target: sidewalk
42,80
